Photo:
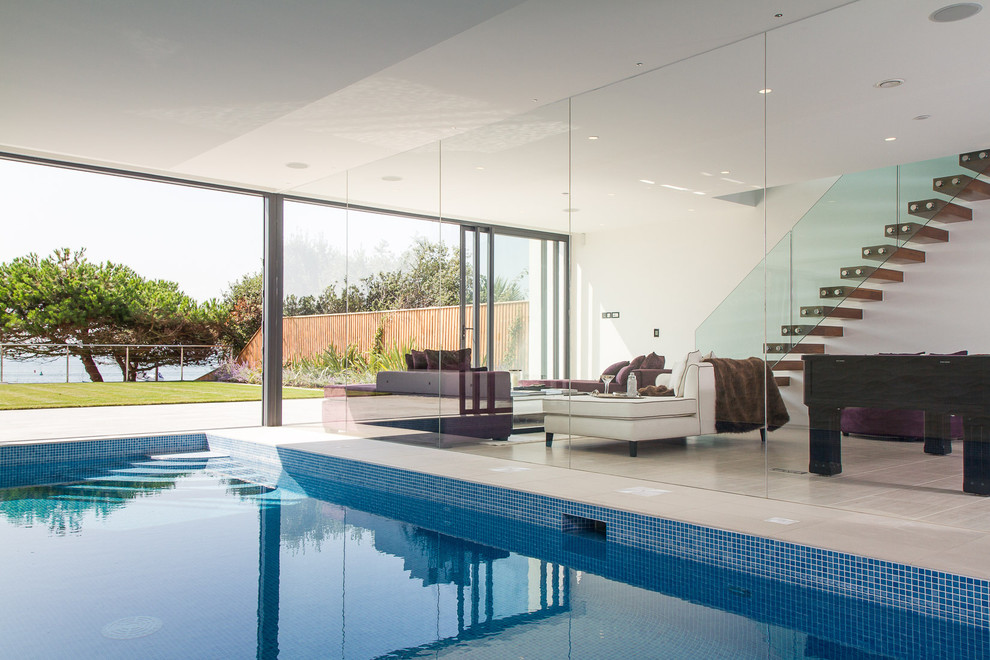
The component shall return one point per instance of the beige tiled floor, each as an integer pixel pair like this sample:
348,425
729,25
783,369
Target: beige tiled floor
879,477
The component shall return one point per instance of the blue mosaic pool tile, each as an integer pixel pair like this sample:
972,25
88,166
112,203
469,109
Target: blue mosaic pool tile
22,454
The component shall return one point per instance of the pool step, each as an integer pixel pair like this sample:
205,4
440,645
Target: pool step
189,455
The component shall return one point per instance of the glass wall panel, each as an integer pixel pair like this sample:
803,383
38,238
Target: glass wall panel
315,332
866,293
668,183
118,295
388,290
507,185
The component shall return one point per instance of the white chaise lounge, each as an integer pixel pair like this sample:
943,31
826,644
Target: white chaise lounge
690,412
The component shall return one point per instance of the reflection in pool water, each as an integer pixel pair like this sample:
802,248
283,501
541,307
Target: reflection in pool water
202,557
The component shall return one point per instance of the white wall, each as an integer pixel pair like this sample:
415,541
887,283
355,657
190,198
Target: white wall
669,275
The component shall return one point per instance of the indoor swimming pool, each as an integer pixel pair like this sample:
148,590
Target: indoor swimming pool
200,555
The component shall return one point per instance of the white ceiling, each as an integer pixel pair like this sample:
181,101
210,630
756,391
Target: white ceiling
232,92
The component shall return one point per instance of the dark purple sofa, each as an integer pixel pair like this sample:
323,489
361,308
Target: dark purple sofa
646,368
440,393
892,424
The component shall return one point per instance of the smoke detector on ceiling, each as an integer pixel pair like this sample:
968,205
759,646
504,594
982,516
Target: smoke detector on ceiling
957,12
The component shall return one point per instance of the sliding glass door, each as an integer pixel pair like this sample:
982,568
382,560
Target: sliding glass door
513,302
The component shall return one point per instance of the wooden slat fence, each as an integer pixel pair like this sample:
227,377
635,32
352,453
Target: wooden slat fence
428,327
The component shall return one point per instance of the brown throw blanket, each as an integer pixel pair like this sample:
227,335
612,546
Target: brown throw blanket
739,402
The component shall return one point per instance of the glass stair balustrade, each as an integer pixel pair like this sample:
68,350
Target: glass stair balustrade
858,209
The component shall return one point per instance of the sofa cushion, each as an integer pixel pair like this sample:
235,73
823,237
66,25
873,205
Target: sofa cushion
653,361
449,360
680,369
418,360
614,369
623,375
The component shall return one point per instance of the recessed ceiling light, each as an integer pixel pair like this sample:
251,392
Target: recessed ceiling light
778,15
639,64
698,192
667,185
611,194
956,12
707,174
479,167
535,100
766,91
391,177
890,82
724,172
647,181
921,117
297,166
592,137
890,139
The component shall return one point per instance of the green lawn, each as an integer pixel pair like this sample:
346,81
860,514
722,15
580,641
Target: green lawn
75,395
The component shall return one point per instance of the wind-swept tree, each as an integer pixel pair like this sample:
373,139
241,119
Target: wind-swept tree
65,299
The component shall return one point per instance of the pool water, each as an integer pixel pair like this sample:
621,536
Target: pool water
200,556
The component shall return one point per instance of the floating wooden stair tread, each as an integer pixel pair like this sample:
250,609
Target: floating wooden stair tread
940,210
977,161
788,365
824,311
811,330
893,254
916,233
871,273
853,292
961,186
794,348
782,381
